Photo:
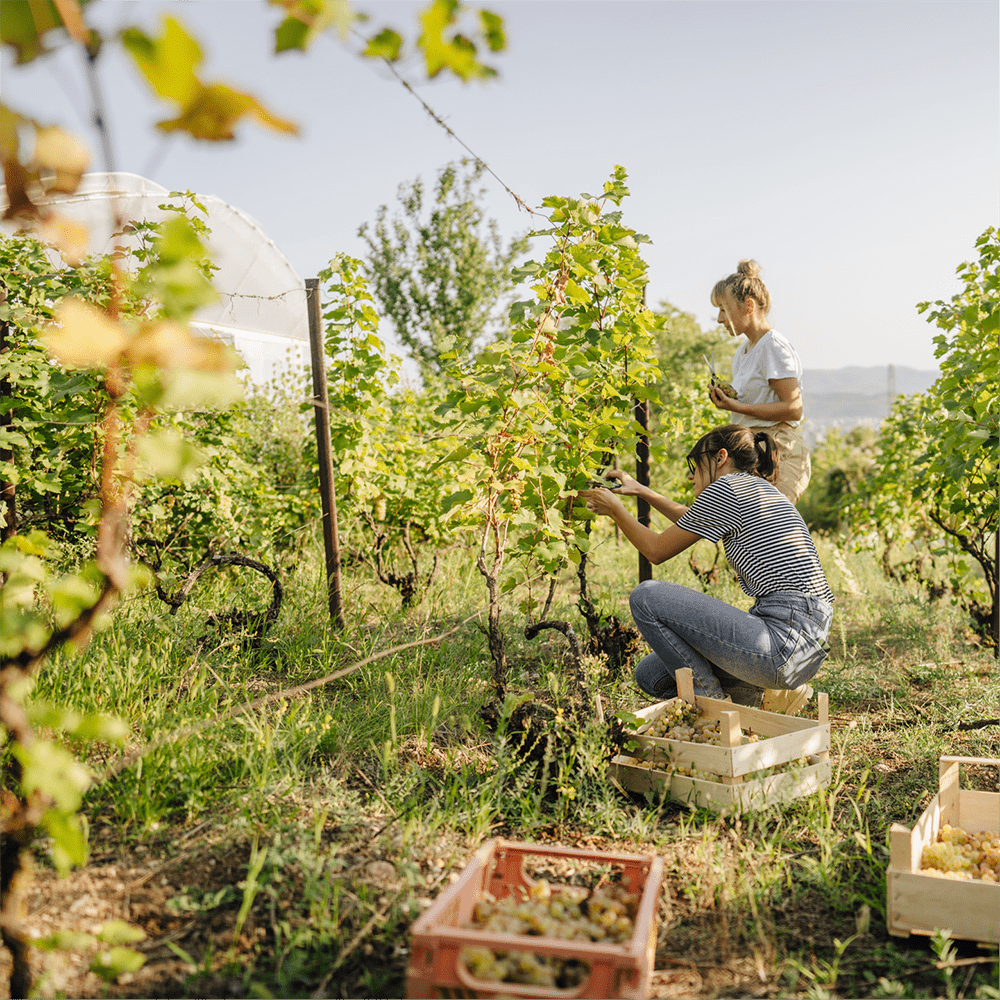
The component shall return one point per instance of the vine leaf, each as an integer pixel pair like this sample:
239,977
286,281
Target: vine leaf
42,157
84,336
207,111
309,18
23,27
456,53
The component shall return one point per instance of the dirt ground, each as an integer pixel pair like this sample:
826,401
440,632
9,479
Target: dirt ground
144,892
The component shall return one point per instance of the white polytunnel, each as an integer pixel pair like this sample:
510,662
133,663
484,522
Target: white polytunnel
262,306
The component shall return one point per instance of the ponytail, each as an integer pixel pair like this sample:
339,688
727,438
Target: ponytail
767,456
749,452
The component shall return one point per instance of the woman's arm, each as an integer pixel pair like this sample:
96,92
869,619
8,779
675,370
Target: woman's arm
656,547
788,407
632,488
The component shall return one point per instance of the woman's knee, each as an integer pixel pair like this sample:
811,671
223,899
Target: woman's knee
654,677
650,594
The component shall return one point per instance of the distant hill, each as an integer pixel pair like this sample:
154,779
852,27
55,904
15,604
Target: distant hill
855,396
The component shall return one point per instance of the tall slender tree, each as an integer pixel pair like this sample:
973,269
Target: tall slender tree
439,269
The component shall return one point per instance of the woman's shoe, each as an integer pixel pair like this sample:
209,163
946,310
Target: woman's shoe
786,701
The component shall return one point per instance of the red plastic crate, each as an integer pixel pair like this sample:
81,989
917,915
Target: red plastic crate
437,936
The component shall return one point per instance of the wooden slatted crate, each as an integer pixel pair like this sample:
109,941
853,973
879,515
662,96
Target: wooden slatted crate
921,904
438,936
794,755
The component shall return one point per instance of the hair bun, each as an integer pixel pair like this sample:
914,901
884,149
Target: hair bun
748,267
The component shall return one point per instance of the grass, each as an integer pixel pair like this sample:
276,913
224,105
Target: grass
284,851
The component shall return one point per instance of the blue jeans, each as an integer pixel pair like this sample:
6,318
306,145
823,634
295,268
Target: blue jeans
779,643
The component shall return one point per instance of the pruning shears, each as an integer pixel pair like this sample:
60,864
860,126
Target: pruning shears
716,381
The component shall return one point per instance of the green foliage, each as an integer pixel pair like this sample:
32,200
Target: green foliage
681,410
840,463
439,270
959,469
442,45
389,444
934,484
546,410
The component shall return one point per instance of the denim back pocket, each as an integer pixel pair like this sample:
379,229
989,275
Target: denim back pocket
808,653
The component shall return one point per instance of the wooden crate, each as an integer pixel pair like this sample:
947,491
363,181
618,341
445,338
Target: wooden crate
437,937
921,904
795,753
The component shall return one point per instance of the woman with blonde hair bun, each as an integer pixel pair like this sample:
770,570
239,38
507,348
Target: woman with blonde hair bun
767,375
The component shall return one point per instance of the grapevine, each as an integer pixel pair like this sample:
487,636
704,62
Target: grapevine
957,854
605,915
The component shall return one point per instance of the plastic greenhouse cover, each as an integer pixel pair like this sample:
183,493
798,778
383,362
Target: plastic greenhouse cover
262,304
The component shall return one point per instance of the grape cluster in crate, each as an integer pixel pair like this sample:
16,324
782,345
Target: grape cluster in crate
605,914
712,753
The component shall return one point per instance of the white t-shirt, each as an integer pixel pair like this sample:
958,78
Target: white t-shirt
771,357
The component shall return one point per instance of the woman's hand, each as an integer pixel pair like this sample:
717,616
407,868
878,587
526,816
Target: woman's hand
602,501
721,401
629,486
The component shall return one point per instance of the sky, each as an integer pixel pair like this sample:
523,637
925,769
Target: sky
851,148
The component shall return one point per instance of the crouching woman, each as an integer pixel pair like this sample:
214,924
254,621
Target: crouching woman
781,642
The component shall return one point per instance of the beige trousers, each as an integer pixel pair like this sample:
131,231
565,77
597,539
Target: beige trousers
794,466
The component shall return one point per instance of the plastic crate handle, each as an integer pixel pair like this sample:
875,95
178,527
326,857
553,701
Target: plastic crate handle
487,987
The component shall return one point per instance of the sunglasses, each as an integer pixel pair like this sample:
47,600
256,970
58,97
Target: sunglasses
693,460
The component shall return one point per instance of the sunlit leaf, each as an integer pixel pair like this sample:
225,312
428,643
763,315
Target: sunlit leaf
83,336
170,456
113,962
69,237
118,932
309,18
66,157
385,45
207,111
456,54
53,771
64,939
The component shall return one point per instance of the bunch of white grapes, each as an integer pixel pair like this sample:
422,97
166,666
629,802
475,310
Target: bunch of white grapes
605,915
655,762
957,854
683,721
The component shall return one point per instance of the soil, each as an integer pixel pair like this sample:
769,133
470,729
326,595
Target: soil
153,895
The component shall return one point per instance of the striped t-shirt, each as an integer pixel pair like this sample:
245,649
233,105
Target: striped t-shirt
767,543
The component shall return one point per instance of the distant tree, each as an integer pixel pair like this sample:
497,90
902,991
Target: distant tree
439,269
681,411
840,462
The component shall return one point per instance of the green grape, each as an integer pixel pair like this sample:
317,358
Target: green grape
957,854
606,914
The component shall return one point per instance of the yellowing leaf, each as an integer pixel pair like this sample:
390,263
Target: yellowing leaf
62,154
216,109
165,345
70,238
207,111
439,52
83,336
309,18
56,162
385,45
168,63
